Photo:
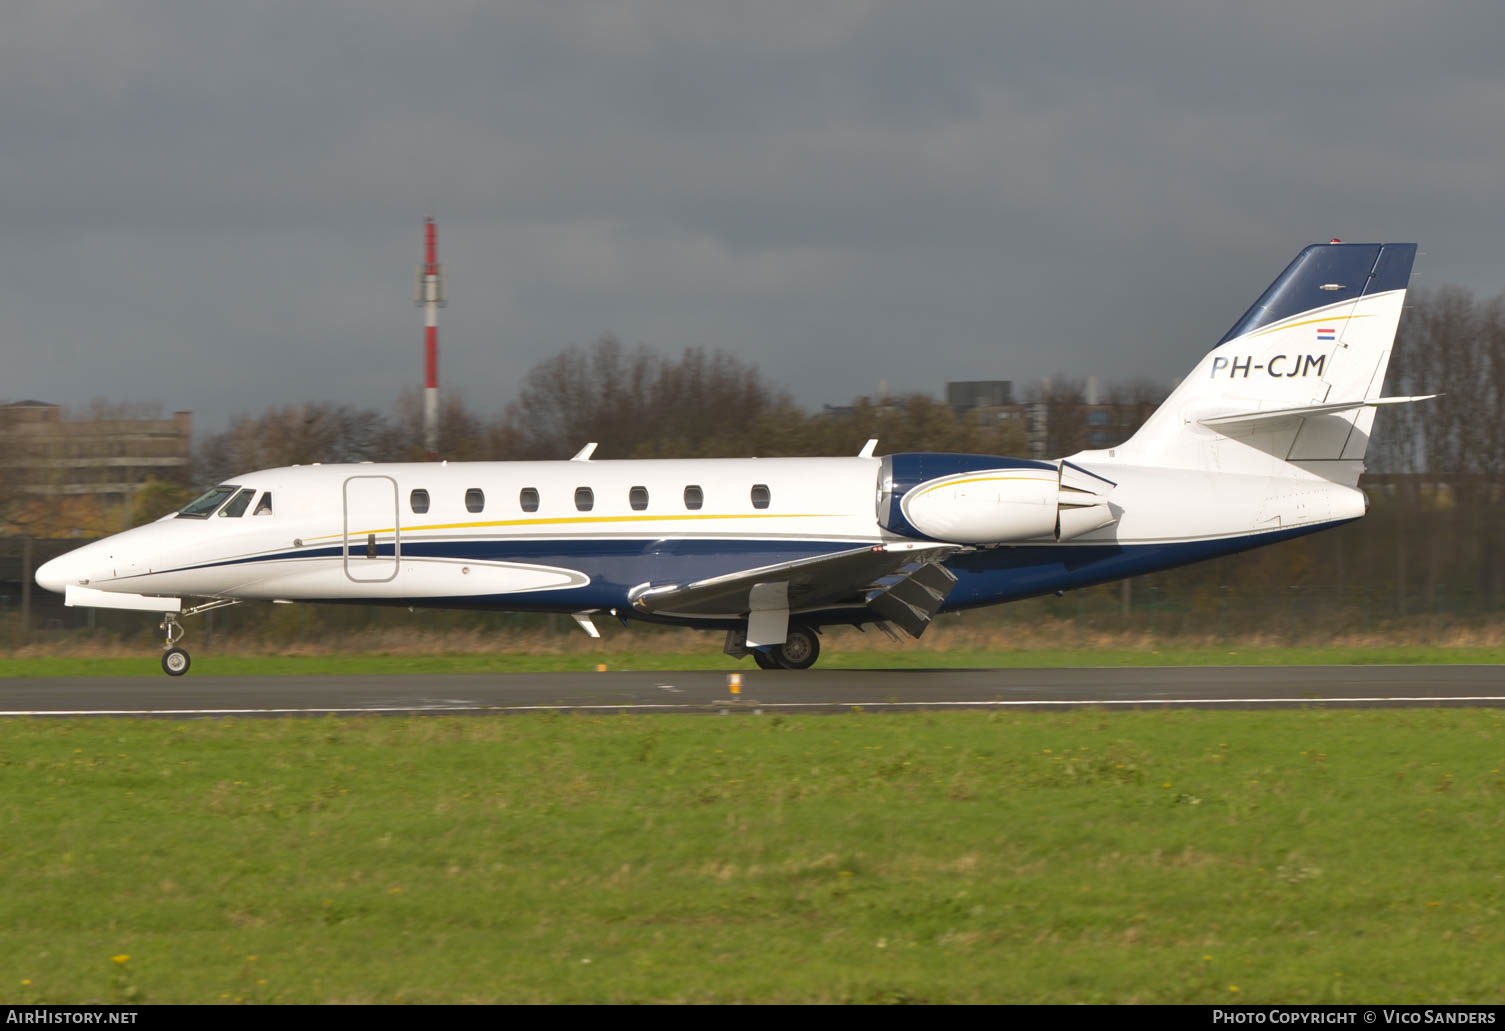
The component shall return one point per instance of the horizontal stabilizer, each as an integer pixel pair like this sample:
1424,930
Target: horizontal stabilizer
1304,411
88,597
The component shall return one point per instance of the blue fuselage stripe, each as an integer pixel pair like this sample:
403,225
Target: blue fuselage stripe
615,565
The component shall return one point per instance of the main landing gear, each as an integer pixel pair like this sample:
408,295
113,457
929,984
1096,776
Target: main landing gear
799,651
175,660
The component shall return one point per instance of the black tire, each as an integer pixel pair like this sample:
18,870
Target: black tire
765,660
799,650
175,662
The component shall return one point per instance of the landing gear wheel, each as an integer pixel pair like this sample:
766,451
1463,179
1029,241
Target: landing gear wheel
799,650
764,660
175,662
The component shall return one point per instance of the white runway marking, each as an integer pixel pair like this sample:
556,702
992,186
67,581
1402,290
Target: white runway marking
749,703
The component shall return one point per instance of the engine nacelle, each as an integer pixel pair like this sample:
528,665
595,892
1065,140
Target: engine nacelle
1015,503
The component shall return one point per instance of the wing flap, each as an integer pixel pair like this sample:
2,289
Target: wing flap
913,602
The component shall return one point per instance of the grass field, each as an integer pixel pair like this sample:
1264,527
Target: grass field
145,663
1181,857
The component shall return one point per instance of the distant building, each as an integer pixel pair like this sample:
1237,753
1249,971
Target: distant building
964,395
105,458
1047,422
992,400
882,405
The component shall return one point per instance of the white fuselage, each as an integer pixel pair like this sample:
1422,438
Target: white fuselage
526,534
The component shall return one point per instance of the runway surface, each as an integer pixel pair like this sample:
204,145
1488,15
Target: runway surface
816,690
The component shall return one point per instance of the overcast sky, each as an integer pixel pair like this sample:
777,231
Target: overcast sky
219,206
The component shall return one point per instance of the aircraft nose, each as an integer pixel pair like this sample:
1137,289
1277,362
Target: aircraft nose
77,566
53,575
125,554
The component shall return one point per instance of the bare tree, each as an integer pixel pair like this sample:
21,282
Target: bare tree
1445,458
1064,401
464,435
1129,405
633,402
297,435
155,499
914,422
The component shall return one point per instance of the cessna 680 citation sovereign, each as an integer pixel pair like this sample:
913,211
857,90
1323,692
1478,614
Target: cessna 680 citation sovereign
1262,442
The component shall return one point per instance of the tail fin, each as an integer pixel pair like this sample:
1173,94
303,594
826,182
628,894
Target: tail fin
1295,380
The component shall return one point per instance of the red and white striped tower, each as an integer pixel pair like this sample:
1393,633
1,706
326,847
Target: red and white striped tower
431,296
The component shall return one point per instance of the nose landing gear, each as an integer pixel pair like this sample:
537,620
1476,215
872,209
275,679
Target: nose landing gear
175,660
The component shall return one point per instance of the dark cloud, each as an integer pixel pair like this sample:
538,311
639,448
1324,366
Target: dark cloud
219,207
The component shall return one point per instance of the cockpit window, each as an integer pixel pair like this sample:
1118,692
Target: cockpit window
203,506
264,506
238,504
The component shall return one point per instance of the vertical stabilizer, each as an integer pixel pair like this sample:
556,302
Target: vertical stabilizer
1320,335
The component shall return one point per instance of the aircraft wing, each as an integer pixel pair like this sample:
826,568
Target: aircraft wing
812,582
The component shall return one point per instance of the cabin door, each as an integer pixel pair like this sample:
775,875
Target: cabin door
373,543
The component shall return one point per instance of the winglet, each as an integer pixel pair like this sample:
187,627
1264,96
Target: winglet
584,454
868,449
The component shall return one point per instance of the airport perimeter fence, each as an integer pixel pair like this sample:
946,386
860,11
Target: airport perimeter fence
1310,615
1430,578
1292,614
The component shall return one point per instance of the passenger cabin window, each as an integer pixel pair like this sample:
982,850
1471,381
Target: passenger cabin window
694,497
238,504
419,501
475,499
585,499
528,499
264,506
637,497
760,495
203,506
